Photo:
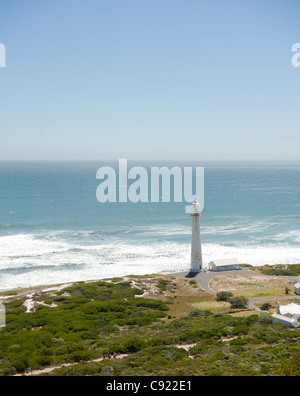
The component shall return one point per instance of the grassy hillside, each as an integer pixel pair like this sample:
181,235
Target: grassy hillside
152,321
283,270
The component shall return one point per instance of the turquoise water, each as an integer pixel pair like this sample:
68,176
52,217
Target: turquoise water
53,229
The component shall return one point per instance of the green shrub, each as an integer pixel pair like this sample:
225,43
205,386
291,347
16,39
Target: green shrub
196,313
292,366
60,341
78,356
239,341
16,304
14,348
48,301
134,344
241,329
9,371
224,296
37,362
216,373
240,302
265,319
21,364
162,284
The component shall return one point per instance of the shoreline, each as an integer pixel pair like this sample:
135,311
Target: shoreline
17,289
207,276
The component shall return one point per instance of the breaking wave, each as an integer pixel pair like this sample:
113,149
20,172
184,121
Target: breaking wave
30,260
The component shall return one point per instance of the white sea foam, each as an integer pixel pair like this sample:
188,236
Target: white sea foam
24,245
238,227
292,236
253,254
167,230
30,260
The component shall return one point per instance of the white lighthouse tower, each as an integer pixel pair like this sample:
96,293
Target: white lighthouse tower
196,253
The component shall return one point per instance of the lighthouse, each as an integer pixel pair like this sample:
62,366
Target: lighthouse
196,250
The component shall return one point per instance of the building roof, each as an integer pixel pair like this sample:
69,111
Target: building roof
221,263
292,309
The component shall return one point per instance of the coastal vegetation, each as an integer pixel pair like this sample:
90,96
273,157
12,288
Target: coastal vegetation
153,323
283,270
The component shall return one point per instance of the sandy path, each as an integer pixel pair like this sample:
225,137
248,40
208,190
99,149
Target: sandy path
51,368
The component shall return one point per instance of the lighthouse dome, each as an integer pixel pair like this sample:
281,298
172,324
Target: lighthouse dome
195,206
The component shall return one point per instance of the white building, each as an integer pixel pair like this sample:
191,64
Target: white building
224,265
288,315
297,288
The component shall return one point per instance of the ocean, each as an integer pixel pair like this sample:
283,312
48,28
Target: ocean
53,229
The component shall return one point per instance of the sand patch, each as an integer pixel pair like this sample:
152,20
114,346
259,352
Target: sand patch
250,285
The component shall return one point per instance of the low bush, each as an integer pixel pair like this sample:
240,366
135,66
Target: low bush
224,296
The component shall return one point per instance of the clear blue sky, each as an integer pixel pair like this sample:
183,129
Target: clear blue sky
149,79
